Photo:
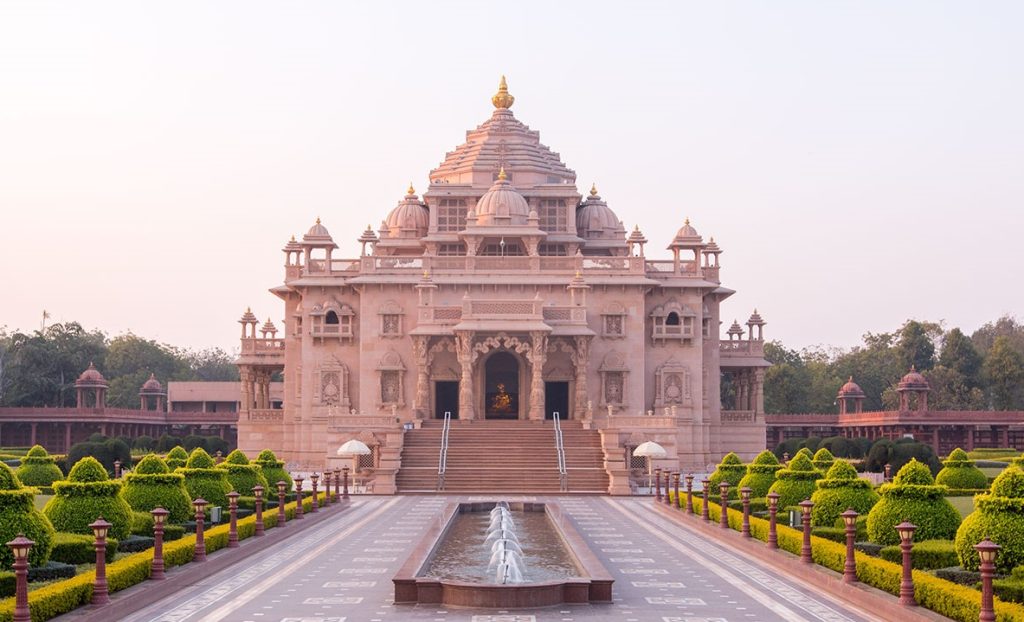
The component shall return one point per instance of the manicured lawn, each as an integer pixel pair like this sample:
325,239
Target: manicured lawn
992,471
964,505
40,501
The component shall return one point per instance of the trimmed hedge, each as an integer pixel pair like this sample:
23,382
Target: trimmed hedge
998,516
38,468
273,469
77,548
18,515
761,474
176,457
841,489
823,460
924,555
1011,589
242,475
204,480
959,471
151,485
86,495
913,496
134,544
797,481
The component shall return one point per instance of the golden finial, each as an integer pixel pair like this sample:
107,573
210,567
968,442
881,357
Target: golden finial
318,220
426,274
501,174
636,228
293,237
248,309
687,221
579,275
502,99
593,190
411,190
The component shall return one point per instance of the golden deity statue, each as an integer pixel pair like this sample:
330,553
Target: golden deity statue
502,402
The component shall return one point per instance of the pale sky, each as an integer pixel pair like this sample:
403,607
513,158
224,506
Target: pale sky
859,162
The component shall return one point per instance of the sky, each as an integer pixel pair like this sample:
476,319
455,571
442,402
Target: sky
860,163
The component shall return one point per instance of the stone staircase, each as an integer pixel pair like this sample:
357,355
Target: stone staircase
493,456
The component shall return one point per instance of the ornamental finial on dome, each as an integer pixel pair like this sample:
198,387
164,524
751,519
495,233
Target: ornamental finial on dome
593,190
502,99
501,174
411,192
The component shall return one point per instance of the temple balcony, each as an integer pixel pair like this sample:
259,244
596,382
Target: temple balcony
262,351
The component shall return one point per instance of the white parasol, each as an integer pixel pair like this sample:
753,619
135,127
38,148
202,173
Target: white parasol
356,448
650,450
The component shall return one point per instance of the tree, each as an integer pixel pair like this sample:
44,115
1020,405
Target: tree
1006,326
959,354
916,346
41,367
952,391
211,364
1004,368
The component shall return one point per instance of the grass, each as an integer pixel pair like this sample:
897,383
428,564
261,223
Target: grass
40,501
964,505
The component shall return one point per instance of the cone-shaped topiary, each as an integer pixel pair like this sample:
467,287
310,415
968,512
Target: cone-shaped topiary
88,494
841,489
731,469
176,457
242,475
204,479
761,474
18,515
38,469
913,496
796,482
273,469
958,471
805,452
823,460
998,516
152,485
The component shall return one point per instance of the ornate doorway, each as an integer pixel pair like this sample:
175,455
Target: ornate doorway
446,398
501,386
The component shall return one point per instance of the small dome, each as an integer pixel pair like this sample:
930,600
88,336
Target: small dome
292,245
636,236
687,233
152,385
409,219
913,380
850,389
501,205
268,327
91,377
735,329
595,220
248,316
368,235
756,319
712,246
317,233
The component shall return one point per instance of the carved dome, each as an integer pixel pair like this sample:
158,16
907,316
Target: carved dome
501,205
409,219
913,380
851,389
91,377
318,235
152,385
595,220
687,236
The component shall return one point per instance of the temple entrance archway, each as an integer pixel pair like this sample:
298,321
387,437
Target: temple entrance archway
446,398
501,386
556,399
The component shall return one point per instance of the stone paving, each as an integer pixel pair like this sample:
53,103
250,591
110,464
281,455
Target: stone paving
340,571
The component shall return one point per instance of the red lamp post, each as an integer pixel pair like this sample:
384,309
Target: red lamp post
327,487
888,473
100,596
745,497
337,485
805,548
723,496
689,493
200,551
344,483
987,551
906,531
316,503
773,510
20,546
219,457
850,567
233,519
705,511
157,569
668,483
298,498
657,483
281,516
257,492
675,485
785,457
117,469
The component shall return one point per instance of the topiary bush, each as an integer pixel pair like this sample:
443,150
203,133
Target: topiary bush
761,474
913,496
273,469
804,451
38,468
796,482
242,475
925,555
152,485
78,548
840,490
823,460
959,471
731,469
204,480
998,516
88,494
176,457
18,515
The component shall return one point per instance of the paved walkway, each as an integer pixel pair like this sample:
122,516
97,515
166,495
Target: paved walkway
340,571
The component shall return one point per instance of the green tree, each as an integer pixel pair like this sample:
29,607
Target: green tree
40,368
211,364
130,360
1004,368
959,354
1006,326
952,391
916,346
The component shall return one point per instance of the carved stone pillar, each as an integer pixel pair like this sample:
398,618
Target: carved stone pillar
759,390
464,353
421,346
538,356
581,359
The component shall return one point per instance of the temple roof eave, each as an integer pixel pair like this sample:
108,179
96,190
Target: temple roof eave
502,325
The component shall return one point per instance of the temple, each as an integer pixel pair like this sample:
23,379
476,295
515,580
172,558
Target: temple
502,294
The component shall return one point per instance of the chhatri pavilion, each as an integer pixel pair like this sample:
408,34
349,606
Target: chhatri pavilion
502,294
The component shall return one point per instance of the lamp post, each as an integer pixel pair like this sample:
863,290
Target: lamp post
281,516
344,483
805,548
906,531
705,512
20,546
315,502
668,486
233,519
785,457
850,567
773,509
200,551
327,487
689,493
337,484
987,551
298,498
675,485
117,469
257,492
657,483
99,587
723,496
745,497
888,473
157,569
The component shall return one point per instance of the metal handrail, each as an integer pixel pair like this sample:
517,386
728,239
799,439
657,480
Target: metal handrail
560,452
442,458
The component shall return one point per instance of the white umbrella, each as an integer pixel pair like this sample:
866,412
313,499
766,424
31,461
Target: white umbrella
650,450
353,448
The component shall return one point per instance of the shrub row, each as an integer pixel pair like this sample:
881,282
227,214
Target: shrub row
924,555
76,548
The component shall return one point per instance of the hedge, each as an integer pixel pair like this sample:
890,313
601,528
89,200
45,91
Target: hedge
204,480
176,458
151,485
823,460
959,471
242,475
38,468
18,515
77,548
912,496
797,481
88,494
761,474
998,516
924,555
1011,589
273,469
842,489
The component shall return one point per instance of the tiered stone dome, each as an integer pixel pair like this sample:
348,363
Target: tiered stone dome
317,233
687,235
91,377
913,380
152,385
409,219
502,205
850,389
595,220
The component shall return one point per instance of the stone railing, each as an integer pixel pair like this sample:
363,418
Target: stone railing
258,345
738,416
266,414
742,347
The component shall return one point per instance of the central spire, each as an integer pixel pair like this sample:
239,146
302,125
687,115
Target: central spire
502,99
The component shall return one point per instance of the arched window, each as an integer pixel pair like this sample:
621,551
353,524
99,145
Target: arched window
672,319
332,318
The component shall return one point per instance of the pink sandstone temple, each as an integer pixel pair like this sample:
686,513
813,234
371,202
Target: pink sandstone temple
501,296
